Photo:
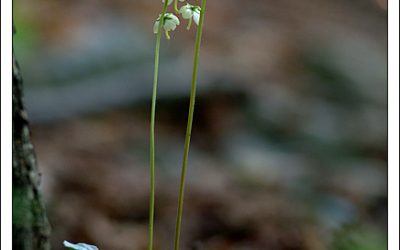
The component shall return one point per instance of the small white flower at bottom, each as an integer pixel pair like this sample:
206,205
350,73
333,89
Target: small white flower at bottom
79,246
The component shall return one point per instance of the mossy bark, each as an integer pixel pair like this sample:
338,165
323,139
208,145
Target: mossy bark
30,226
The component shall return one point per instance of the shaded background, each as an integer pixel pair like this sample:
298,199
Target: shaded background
289,141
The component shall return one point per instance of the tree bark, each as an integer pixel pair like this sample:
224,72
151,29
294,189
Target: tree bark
30,226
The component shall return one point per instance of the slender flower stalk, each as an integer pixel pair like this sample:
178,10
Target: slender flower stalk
176,6
189,125
152,125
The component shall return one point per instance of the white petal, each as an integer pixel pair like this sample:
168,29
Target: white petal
155,27
171,21
79,246
169,25
196,17
186,12
175,19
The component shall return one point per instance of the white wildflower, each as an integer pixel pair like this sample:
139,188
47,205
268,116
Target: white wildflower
190,12
170,23
79,246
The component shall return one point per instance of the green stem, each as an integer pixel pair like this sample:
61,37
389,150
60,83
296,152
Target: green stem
176,6
189,126
152,125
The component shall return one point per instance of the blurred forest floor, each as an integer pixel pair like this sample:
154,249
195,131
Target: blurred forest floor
289,143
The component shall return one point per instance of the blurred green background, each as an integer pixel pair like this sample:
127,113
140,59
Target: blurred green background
289,145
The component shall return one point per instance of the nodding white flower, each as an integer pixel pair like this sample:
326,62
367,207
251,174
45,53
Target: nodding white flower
79,246
170,23
189,11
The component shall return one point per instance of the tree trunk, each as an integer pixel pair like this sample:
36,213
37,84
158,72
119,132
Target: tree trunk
30,225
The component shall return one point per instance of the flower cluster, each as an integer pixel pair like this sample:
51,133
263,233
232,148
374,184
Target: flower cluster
171,21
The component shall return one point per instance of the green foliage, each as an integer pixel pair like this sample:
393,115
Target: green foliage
359,237
26,36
